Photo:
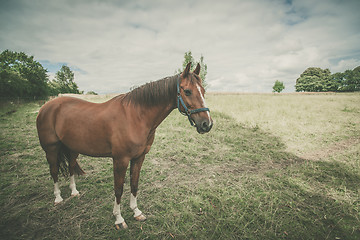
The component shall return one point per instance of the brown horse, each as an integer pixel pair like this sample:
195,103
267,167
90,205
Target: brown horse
122,128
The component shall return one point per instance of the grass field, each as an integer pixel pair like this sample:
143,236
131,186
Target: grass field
273,167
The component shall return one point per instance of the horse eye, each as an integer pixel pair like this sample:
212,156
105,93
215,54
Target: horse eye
187,92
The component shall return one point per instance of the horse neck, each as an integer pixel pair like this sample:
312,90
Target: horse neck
150,116
156,114
152,102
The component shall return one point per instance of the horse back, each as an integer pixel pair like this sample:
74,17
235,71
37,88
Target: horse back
74,122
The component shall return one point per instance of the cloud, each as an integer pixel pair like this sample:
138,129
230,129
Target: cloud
247,45
346,64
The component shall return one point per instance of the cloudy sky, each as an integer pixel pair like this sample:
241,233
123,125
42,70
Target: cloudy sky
247,44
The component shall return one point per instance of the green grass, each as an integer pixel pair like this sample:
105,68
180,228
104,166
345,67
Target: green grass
273,167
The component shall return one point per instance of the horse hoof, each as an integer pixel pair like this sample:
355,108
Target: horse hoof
120,226
140,218
58,201
75,194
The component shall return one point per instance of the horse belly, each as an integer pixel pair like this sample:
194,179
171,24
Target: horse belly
85,137
95,148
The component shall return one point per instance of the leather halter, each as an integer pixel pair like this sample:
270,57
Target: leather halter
187,112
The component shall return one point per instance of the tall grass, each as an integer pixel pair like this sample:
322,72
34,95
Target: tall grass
259,174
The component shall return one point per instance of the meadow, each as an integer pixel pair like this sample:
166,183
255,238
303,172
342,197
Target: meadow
274,166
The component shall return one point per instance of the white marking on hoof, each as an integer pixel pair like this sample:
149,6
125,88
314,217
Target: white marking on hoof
120,222
120,226
72,186
141,218
58,200
133,202
138,215
57,192
75,193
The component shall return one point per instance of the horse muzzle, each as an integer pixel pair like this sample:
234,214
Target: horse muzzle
205,126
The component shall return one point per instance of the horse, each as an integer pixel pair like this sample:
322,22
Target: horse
122,128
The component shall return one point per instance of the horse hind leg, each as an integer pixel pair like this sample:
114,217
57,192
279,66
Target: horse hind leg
51,156
72,186
74,168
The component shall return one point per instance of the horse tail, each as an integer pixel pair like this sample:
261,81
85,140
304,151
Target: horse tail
78,169
64,157
63,160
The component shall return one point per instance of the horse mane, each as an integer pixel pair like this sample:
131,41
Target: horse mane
154,93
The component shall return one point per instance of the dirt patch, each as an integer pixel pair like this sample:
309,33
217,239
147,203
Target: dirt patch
335,148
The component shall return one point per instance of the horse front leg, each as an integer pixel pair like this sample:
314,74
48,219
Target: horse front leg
135,167
120,166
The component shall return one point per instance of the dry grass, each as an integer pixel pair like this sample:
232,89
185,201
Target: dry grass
304,123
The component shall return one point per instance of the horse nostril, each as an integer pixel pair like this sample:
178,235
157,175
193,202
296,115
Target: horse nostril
205,126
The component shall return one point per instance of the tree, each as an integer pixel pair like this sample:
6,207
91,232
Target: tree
91,93
351,80
319,80
356,78
314,80
336,82
22,76
203,70
278,86
63,82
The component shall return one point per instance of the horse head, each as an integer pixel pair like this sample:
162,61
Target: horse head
191,100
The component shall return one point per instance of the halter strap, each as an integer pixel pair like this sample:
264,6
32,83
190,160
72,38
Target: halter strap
187,112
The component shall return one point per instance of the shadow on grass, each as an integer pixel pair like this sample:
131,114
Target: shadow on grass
233,183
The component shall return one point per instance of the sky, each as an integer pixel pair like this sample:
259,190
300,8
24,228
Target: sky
247,45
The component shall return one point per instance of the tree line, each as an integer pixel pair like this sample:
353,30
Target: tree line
315,79
23,77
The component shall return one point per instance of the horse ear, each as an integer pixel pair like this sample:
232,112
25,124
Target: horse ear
197,69
186,71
